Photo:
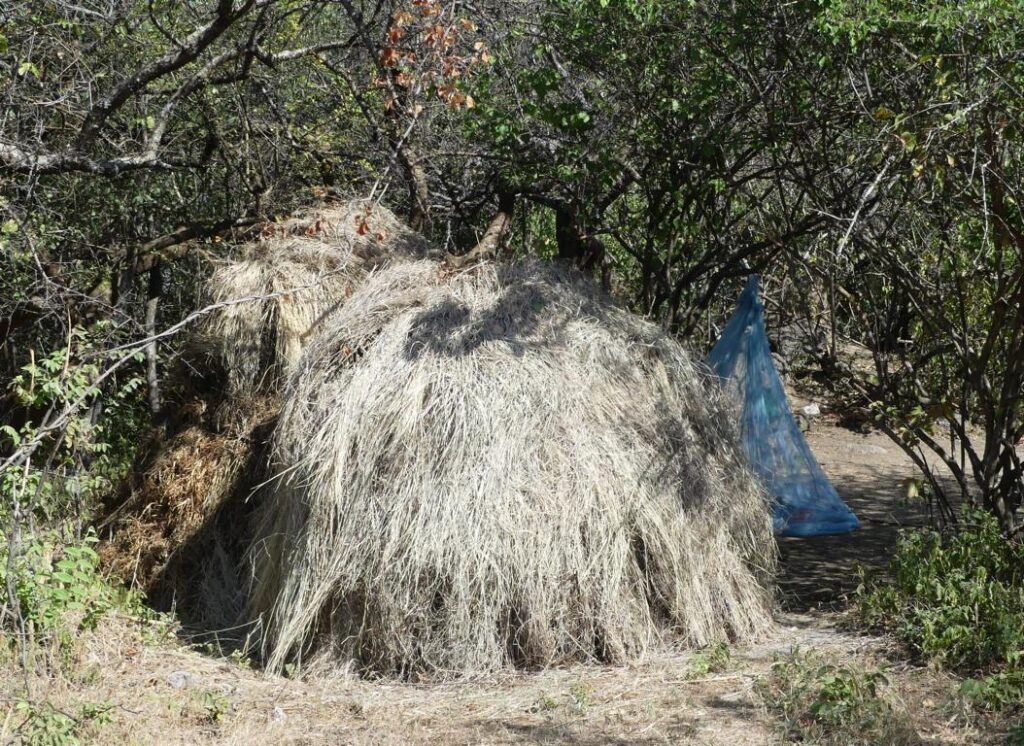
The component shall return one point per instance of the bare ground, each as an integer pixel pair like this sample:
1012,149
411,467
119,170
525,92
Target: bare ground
166,693
871,475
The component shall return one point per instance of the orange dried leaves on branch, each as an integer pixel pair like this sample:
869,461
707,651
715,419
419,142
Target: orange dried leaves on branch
428,49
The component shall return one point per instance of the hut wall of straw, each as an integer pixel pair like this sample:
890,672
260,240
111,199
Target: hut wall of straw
499,467
179,528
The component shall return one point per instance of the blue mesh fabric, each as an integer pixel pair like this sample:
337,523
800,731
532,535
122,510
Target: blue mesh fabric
806,503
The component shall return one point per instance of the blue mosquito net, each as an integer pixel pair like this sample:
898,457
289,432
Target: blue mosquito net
806,503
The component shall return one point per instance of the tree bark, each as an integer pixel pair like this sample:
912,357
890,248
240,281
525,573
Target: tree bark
153,293
574,243
491,239
419,191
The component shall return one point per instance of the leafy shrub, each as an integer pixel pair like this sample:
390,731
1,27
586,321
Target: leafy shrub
998,691
957,599
544,703
824,703
71,467
214,705
44,725
712,659
580,697
53,581
50,490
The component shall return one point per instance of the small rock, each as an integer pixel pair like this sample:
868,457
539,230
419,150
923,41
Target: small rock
811,410
277,715
870,450
182,680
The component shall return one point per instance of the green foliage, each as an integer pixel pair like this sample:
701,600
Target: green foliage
1015,736
945,95
577,700
55,581
715,658
998,691
544,703
639,114
74,466
49,567
957,599
214,705
580,697
825,703
44,725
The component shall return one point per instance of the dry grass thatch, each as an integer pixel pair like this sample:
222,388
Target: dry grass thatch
186,480
499,467
164,535
178,531
298,271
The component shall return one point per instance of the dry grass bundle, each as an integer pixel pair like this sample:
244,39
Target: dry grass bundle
177,531
166,534
298,271
184,483
502,468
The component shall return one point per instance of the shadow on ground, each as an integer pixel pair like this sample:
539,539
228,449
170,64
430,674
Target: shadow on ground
509,732
821,572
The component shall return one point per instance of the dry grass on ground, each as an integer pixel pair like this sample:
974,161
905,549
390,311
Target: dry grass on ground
163,693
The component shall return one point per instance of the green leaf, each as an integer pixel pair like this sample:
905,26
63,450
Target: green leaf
27,67
11,433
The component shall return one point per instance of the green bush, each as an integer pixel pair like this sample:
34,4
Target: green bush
712,659
71,468
824,703
998,691
956,599
45,725
53,582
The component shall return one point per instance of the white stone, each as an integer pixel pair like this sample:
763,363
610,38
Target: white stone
182,680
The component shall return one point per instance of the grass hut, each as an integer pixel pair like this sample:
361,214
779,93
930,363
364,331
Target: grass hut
498,467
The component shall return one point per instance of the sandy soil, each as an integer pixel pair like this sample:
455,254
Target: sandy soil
166,694
871,474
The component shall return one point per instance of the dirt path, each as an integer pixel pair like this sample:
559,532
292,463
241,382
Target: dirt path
870,473
165,694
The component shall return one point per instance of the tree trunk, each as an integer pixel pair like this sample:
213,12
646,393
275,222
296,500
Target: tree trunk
574,244
419,192
492,237
153,293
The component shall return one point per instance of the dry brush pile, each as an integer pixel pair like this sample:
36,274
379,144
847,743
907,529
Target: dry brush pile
176,530
469,470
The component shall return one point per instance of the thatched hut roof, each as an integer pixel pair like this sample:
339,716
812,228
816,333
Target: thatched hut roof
500,467
297,271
